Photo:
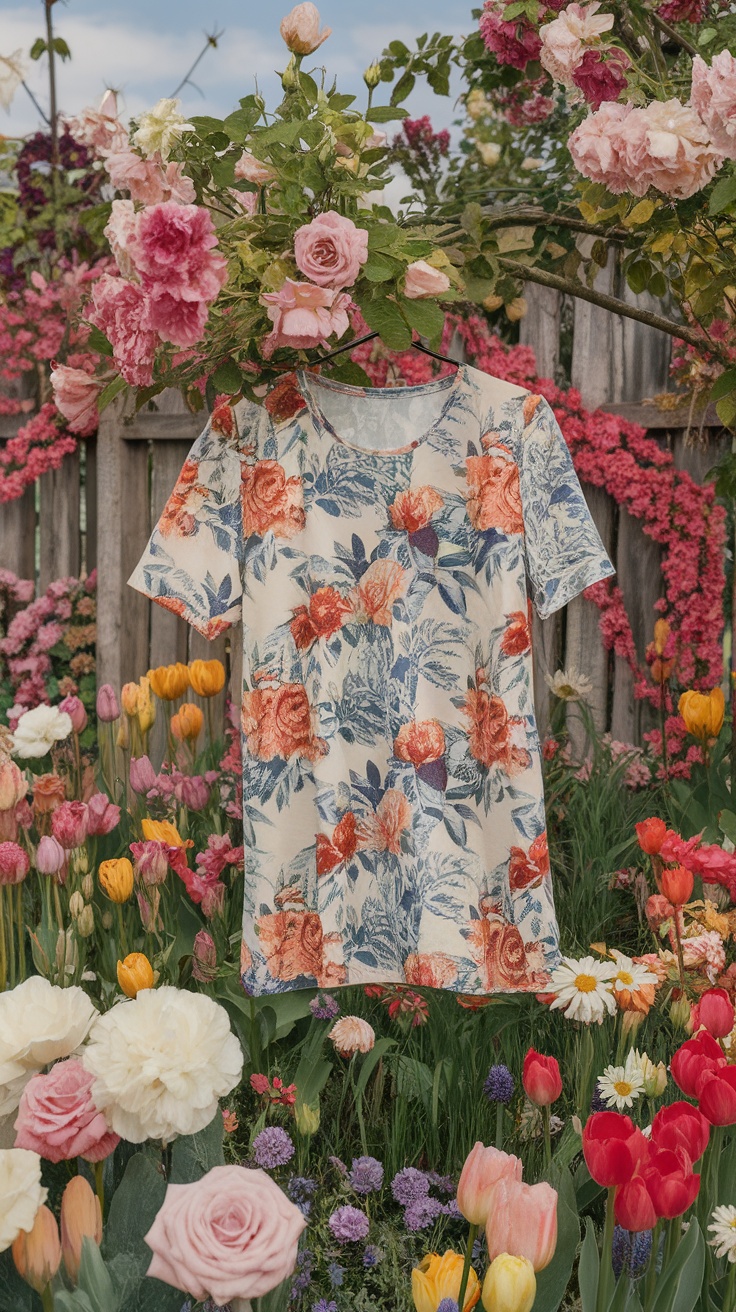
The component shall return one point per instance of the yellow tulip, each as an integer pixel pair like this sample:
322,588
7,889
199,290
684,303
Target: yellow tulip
207,677
135,973
703,712
116,878
187,723
510,1285
146,709
439,1277
169,681
37,1252
81,1216
661,634
129,699
123,738
162,831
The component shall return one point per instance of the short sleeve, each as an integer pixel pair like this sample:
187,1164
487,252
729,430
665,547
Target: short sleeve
191,564
564,550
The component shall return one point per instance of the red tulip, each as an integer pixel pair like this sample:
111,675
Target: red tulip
677,885
612,1146
672,1185
714,1011
651,834
693,1061
633,1207
681,1126
541,1078
717,1096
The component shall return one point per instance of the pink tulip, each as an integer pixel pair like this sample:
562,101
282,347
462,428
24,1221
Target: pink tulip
108,708
522,1221
142,775
50,856
13,784
483,1170
194,791
204,957
102,814
213,900
69,824
715,1012
74,708
14,863
151,861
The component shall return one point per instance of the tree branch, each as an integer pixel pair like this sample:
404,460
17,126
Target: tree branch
672,34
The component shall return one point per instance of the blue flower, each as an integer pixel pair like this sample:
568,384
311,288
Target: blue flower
366,1175
499,1085
272,1147
336,1274
372,1255
447,1305
630,1251
322,1305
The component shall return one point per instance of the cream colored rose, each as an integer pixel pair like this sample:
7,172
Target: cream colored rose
161,1062
21,1192
489,151
158,128
38,729
13,69
40,1022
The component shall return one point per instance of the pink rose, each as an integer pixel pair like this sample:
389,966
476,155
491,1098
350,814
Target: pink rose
100,128
598,147
141,177
176,320
232,1234
173,252
713,95
304,315
565,38
667,146
330,250
300,29
75,397
423,280
58,1119
601,78
121,310
250,169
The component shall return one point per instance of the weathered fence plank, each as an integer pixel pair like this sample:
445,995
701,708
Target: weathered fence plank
59,522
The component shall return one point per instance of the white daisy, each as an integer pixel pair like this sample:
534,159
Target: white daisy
630,975
584,989
724,1232
570,685
619,1086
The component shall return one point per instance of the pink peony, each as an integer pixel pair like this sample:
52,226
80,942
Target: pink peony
70,824
601,78
422,279
330,250
173,253
103,815
121,310
14,864
58,1119
149,181
565,38
713,96
304,315
514,43
75,397
178,321
667,146
250,169
231,1235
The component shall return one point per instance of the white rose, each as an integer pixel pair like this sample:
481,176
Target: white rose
21,1192
12,72
158,128
489,151
38,730
161,1062
40,1022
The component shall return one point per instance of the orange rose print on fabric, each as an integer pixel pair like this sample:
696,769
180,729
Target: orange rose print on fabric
421,743
528,869
434,970
413,509
530,406
494,494
271,501
381,831
381,585
505,961
284,400
211,628
277,721
222,419
331,852
323,616
517,638
489,733
178,517
293,944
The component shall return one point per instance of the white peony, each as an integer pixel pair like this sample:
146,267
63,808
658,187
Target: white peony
158,128
161,1062
21,1192
38,730
12,71
40,1022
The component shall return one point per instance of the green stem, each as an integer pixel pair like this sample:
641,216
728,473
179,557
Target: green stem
123,937
3,956
605,1280
499,1125
546,1116
729,1297
99,1168
8,900
47,1299
651,1272
21,932
472,1234
57,904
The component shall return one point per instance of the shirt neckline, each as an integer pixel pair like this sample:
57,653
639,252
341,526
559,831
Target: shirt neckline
451,383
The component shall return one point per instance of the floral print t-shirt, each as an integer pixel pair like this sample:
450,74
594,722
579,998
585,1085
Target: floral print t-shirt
383,549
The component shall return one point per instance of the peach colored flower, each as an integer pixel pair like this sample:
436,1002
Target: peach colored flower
488,735
294,944
351,1034
430,970
713,96
331,852
528,869
120,230
330,250
178,517
668,147
412,510
323,616
564,39
705,951
49,791
494,495
300,29
304,316
503,958
277,721
482,1173
599,150
381,585
381,831
516,639
250,169
419,742
75,395
271,502
422,279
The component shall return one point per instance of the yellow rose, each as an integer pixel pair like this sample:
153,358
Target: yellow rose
135,973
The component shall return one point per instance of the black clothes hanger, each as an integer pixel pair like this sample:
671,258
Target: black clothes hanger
368,337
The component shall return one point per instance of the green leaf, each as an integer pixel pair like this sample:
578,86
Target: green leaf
240,123
204,124
38,48
553,1281
371,1060
385,113
726,410
723,385
193,1155
378,268
109,393
14,1292
60,47
426,317
133,1210
349,372
403,88
385,318
217,140
637,275
97,341
288,1008
723,194
589,1269
414,1079
227,378
94,1278
678,1288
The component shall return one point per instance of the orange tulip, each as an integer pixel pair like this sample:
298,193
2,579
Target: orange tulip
187,723
80,1215
135,973
207,677
703,712
677,885
116,878
162,831
37,1252
169,681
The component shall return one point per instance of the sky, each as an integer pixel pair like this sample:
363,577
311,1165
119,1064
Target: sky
144,47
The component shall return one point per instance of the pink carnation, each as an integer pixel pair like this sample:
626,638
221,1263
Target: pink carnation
121,310
14,863
601,78
75,396
330,250
58,1119
304,315
713,95
178,321
512,43
173,252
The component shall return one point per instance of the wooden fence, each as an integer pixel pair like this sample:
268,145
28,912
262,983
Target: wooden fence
99,508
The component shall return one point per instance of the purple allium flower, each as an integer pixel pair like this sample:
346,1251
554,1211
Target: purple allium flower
366,1175
447,1305
300,1188
499,1085
452,1209
445,1183
409,1185
336,1274
349,1224
338,1165
324,1006
372,1255
272,1147
322,1305
422,1213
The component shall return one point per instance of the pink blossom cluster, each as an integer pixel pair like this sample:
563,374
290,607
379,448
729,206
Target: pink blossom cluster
513,43
35,320
524,103
35,629
40,445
